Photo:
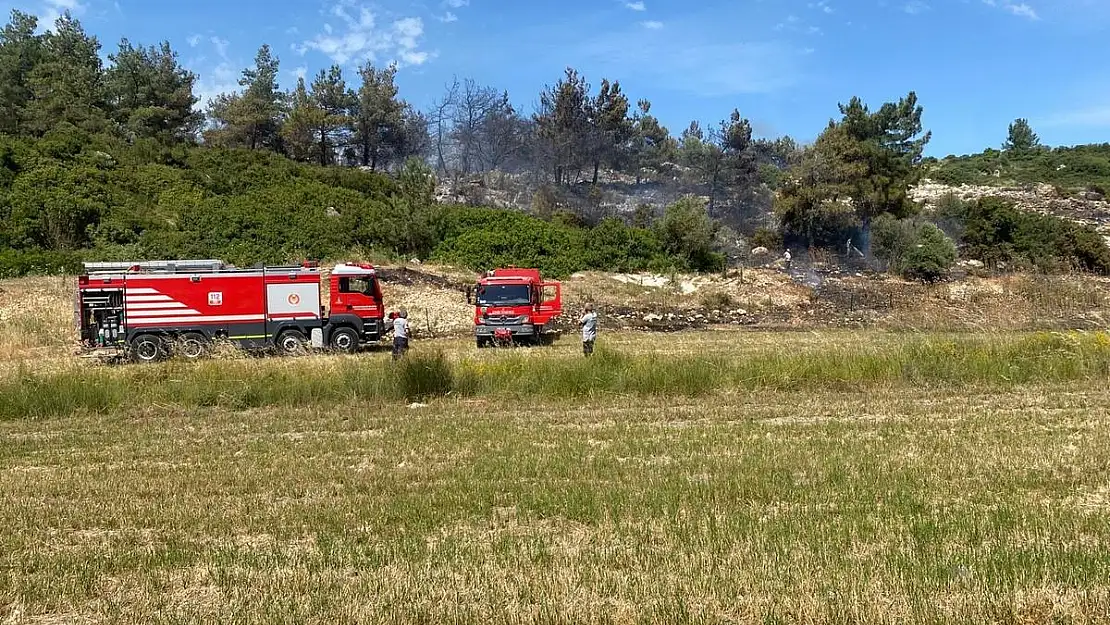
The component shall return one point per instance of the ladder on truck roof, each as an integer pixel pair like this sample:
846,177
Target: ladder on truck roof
183,266
156,266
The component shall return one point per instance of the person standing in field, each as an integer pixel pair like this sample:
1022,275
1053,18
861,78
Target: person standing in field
589,330
400,334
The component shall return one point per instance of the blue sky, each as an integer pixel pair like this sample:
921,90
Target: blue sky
975,64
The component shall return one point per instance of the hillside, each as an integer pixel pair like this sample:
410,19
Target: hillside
1083,169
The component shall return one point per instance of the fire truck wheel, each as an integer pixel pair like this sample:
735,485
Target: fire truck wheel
192,345
291,342
148,348
345,340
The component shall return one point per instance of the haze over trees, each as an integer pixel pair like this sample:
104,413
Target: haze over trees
121,158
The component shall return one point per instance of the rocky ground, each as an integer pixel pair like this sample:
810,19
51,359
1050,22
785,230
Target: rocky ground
803,298
1084,207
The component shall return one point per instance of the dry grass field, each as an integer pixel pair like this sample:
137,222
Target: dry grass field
699,477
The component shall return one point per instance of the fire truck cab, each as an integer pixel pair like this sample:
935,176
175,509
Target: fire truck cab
151,310
512,306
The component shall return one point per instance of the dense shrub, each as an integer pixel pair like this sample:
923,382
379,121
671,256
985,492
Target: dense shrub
1068,167
995,231
915,249
14,263
768,238
931,255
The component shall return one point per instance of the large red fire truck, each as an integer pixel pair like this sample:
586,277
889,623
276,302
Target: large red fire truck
512,306
151,310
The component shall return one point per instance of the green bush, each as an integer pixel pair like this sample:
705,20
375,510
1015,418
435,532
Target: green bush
931,255
916,250
114,200
15,263
891,238
768,238
423,376
1067,167
995,231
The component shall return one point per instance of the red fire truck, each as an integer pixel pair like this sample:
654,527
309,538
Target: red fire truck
151,310
512,306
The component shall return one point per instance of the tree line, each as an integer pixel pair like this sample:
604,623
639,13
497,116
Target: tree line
54,88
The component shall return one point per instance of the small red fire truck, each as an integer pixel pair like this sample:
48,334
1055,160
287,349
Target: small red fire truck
151,310
511,306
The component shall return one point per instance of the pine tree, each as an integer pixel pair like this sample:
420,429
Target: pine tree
377,122
20,53
1021,137
611,126
332,101
67,85
251,119
563,123
297,131
151,95
652,143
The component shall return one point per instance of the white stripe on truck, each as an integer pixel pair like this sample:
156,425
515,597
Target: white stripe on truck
194,319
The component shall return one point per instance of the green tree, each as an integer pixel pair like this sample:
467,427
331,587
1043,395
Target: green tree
880,155
151,95
563,125
67,85
687,232
652,144
1021,137
20,52
865,163
332,101
611,127
297,131
377,120
250,119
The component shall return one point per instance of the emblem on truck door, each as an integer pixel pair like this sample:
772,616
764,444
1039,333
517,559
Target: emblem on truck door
294,299
216,298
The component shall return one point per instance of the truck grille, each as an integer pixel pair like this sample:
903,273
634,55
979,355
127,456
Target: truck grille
503,320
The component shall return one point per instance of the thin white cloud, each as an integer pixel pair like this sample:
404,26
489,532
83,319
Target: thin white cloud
688,60
652,24
448,17
635,6
456,4
53,9
1091,117
360,37
215,77
821,5
915,7
194,40
221,46
1019,9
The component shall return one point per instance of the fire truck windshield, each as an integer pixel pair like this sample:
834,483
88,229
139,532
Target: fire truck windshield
504,295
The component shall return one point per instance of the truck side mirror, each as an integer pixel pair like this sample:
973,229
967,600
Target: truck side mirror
470,295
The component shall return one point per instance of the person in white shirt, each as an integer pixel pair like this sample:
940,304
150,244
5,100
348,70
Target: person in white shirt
589,330
400,334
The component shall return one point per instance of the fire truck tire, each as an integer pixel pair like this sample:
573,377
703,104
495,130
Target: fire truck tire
192,345
345,340
483,342
292,342
148,348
